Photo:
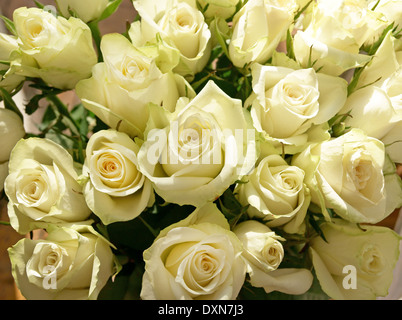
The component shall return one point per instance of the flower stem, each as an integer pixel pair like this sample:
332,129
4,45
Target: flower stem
154,232
97,36
5,223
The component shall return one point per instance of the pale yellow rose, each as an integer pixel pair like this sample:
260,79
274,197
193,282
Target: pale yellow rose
114,189
291,107
58,50
335,35
264,252
42,186
197,258
258,27
276,193
371,110
351,175
376,104
194,154
11,130
72,263
391,9
181,27
219,8
87,11
354,263
122,86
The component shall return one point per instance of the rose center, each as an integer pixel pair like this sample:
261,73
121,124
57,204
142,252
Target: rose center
35,29
372,261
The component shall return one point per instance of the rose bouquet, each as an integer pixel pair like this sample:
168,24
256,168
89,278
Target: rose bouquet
221,149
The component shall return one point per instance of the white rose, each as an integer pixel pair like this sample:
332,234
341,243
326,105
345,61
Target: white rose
370,109
391,9
286,104
72,263
121,87
383,65
219,8
276,192
87,11
262,247
182,28
115,189
58,50
376,105
42,187
196,258
264,253
258,27
352,176
196,153
11,130
369,255
335,34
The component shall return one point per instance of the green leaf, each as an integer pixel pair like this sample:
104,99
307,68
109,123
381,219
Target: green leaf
316,226
97,37
33,104
299,13
9,25
231,208
221,35
356,76
9,102
121,234
110,9
39,5
289,46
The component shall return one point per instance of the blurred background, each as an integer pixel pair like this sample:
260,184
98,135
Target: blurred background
8,237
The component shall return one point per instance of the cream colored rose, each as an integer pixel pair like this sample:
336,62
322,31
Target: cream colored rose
121,87
87,11
115,190
276,192
355,264
11,130
335,34
391,9
193,155
262,246
376,105
182,28
9,80
288,105
42,187
264,252
219,8
371,110
72,263
258,28
351,175
58,50
195,259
